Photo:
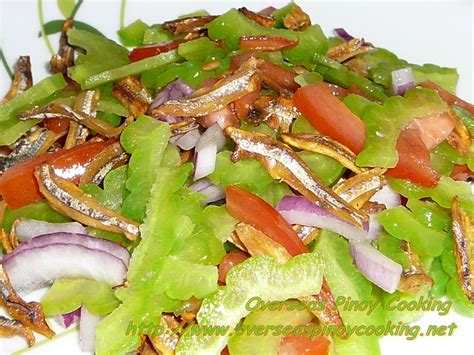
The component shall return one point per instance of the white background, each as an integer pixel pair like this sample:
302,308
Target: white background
439,32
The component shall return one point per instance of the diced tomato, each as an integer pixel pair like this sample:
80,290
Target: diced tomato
242,106
57,125
413,160
251,209
448,97
298,345
337,90
330,116
461,173
229,261
433,130
270,72
153,49
265,43
224,118
18,185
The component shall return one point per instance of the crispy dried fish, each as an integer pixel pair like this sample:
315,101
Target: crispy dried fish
460,137
165,343
349,49
5,242
111,157
282,163
183,126
358,189
262,20
306,233
278,112
463,232
187,25
70,200
324,145
414,278
133,95
65,58
22,80
29,313
77,134
297,19
205,101
10,328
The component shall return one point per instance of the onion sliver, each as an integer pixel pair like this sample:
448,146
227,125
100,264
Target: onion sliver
402,80
386,196
87,324
187,141
299,210
375,266
209,144
206,187
77,239
27,229
34,268
67,319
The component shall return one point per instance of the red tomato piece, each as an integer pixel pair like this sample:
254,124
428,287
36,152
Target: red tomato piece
153,49
251,209
57,125
461,173
18,185
265,43
229,261
433,130
242,106
298,345
413,160
330,116
448,97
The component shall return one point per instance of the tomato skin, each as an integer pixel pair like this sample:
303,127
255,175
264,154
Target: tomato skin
433,130
57,125
448,97
413,160
243,105
229,261
461,173
265,43
153,49
18,185
299,345
330,116
251,209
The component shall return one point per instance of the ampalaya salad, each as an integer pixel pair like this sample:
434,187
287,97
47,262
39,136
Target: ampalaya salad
216,159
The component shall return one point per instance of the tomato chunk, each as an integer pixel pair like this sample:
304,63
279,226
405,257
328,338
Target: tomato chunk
18,185
448,97
461,173
330,116
413,160
251,209
433,130
153,49
57,125
229,261
265,43
296,345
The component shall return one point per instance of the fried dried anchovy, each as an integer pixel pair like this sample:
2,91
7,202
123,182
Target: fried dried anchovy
282,163
414,278
146,348
234,239
306,233
205,101
29,313
463,232
10,328
65,58
358,189
35,143
359,66
262,20
56,110
278,112
86,103
460,137
258,243
297,19
324,145
70,200
187,25
77,134
133,95
111,157
13,237
5,242
22,80
183,126
165,343
371,207
346,50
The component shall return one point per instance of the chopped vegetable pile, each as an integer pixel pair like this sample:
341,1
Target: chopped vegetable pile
212,160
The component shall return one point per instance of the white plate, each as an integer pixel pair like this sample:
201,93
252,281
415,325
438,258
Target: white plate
438,32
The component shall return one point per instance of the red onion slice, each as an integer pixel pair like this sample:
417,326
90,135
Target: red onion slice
402,80
187,141
175,90
206,149
76,239
37,267
87,326
387,197
299,210
342,34
27,229
206,187
375,266
67,319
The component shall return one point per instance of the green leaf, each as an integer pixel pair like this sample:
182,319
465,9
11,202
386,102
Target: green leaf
66,7
55,26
